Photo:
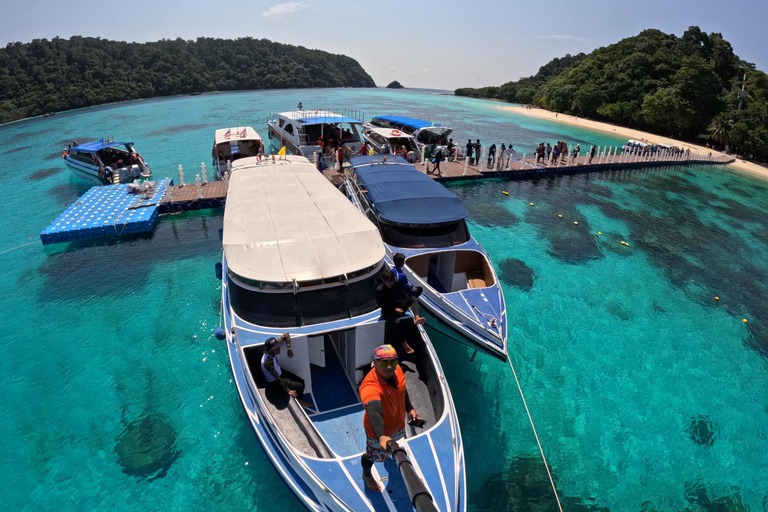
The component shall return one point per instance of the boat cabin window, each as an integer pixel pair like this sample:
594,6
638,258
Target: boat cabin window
86,158
280,122
445,235
430,137
236,149
289,128
304,308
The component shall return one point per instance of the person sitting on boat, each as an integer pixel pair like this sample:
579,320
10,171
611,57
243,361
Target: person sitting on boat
386,403
392,309
407,288
108,174
277,378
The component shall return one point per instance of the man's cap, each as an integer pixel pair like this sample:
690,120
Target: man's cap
271,344
385,352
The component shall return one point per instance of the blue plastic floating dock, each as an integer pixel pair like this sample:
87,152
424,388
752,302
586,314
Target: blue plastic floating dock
107,211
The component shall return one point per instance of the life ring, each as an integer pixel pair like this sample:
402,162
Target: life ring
396,133
95,160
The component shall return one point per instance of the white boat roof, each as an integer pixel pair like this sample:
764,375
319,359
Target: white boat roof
286,221
387,132
235,133
294,115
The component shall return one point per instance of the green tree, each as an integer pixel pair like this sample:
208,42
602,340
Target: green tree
667,110
720,129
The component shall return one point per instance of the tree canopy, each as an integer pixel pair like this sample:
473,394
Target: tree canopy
62,74
686,87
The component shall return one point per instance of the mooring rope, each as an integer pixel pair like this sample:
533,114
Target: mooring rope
536,435
19,247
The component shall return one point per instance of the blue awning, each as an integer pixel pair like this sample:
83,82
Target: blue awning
99,144
357,161
326,120
401,194
408,122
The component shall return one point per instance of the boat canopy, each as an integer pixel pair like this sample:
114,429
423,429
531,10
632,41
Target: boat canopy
234,134
401,194
387,132
408,122
358,161
286,221
326,120
98,145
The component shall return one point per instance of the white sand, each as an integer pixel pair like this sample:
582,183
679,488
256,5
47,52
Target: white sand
629,133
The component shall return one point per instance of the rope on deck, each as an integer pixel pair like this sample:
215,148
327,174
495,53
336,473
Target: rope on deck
538,442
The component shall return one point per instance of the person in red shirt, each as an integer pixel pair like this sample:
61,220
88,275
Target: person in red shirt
340,157
386,402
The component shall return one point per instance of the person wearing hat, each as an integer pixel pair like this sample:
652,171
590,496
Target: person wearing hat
386,403
276,377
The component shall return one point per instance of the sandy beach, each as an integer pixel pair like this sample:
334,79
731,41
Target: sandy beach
629,133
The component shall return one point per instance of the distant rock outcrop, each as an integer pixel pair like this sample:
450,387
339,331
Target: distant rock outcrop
395,85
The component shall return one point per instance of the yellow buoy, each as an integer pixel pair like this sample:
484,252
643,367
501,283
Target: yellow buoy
717,298
575,223
599,232
623,242
744,320
531,204
505,192
559,216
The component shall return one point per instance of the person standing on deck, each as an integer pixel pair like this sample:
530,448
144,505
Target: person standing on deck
386,403
470,147
576,152
549,150
478,152
392,309
340,157
592,154
510,152
491,156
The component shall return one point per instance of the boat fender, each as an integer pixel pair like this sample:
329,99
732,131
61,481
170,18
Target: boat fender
218,270
221,234
220,333
396,133
95,160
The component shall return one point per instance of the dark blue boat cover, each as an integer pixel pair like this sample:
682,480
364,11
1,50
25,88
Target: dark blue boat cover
357,161
403,195
99,144
326,120
414,124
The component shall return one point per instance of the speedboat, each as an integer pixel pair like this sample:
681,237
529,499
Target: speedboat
299,258
301,131
230,144
424,132
421,219
388,140
106,162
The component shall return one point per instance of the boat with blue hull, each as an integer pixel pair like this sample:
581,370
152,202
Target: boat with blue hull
299,258
106,162
425,222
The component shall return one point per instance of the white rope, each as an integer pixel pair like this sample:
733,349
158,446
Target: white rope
528,412
19,247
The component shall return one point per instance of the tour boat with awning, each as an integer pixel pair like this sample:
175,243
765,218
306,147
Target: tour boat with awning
233,143
310,132
390,140
423,132
298,257
106,162
421,219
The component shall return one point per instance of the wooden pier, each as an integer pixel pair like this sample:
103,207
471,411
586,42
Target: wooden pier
187,198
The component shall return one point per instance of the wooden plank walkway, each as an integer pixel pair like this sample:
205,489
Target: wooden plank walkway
185,198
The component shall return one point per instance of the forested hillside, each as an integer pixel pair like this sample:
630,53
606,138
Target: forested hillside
686,87
62,74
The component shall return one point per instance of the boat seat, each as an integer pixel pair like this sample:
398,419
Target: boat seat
475,279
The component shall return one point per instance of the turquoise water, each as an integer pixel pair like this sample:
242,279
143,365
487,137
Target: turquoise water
646,393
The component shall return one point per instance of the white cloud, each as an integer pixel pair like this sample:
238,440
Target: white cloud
561,37
394,70
279,10
426,70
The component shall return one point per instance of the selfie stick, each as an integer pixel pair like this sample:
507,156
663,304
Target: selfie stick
417,491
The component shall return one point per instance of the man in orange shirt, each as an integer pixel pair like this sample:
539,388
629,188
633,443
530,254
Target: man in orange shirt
386,401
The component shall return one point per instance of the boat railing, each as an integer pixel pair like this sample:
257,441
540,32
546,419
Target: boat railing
304,114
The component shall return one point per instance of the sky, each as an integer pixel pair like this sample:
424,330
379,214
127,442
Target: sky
437,45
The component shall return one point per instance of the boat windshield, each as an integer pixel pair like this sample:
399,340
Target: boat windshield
445,235
306,307
434,135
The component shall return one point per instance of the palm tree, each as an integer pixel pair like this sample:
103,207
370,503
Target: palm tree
720,128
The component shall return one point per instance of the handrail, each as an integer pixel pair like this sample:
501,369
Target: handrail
420,498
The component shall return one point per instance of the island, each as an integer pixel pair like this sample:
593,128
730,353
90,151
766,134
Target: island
395,85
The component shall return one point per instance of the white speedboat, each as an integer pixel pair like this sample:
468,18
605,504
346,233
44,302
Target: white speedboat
424,221
424,132
299,257
106,162
386,141
301,132
231,144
